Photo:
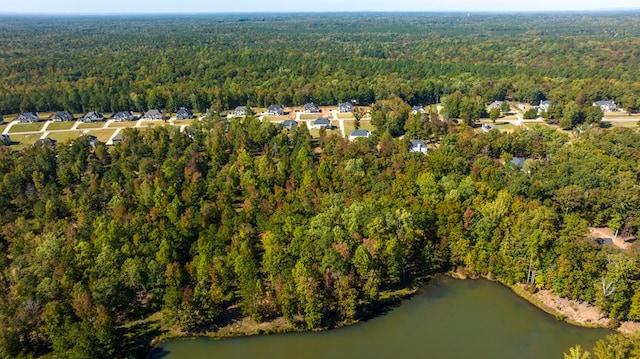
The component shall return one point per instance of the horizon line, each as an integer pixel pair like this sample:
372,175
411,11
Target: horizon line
269,12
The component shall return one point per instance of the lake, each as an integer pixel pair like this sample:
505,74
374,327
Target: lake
448,318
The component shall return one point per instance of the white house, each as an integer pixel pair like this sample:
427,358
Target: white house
608,106
418,146
359,134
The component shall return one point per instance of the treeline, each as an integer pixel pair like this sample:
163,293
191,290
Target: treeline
246,215
139,63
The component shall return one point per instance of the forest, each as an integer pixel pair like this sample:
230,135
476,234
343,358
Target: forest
245,215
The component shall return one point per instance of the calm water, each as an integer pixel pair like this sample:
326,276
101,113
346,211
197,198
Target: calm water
447,319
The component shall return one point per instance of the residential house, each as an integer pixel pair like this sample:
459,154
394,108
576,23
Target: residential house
275,110
93,140
494,104
62,116
241,110
418,110
28,117
345,107
544,106
46,142
289,124
359,134
153,115
608,106
123,116
117,139
486,128
93,116
322,122
184,114
5,140
418,146
311,108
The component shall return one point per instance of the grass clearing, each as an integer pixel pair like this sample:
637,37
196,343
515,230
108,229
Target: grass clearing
25,140
103,135
66,125
123,124
310,116
629,124
27,127
277,118
346,115
2,127
65,136
184,122
90,125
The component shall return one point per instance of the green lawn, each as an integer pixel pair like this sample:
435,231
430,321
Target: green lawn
364,125
21,141
2,127
64,136
90,125
123,124
27,127
627,124
184,122
103,135
65,125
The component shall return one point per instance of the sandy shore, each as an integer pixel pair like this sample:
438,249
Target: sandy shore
573,311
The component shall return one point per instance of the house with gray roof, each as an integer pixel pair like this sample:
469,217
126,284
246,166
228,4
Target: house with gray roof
359,134
418,146
311,108
62,116
28,117
117,139
122,116
608,106
345,107
322,122
241,110
544,106
275,110
184,113
494,104
418,110
5,140
152,115
93,116
289,124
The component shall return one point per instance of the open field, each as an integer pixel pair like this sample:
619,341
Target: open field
123,124
60,125
2,127
277,118
85,126
347,115
21,141
310,116
103,135
184,122
64,136
630,124
26,127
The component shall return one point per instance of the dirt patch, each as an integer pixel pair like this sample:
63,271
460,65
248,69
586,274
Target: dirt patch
575,311
629,327
622,242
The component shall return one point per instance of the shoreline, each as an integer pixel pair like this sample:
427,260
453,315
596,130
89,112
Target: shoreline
571,311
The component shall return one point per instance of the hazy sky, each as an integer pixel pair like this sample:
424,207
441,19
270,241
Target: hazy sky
211,6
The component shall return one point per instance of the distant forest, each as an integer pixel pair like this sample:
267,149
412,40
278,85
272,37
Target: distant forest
104,249
113,63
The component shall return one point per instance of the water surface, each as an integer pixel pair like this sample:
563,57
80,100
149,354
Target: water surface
447,319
